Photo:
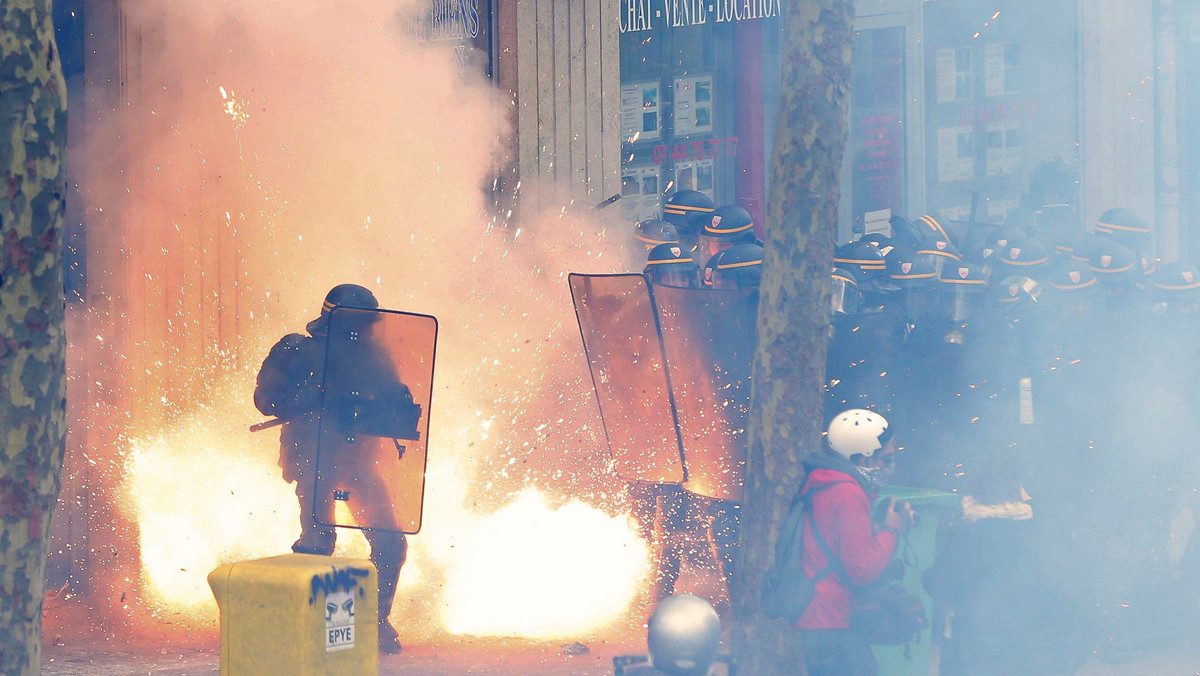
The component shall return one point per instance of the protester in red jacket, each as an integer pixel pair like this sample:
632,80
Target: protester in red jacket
847,549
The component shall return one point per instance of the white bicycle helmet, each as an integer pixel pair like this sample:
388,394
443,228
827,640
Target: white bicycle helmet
857,432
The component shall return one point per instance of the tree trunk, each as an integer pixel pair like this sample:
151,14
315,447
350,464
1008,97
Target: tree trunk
33,123
793,315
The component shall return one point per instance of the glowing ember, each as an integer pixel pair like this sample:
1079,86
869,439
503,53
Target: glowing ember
533,571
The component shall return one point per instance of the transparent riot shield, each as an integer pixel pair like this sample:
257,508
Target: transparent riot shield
620,338
374,419
708,341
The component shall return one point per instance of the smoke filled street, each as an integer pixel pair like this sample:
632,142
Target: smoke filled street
600,337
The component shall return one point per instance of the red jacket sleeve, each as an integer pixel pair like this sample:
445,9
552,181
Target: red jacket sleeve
843,513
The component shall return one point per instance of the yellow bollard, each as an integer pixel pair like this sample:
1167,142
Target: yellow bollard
298,615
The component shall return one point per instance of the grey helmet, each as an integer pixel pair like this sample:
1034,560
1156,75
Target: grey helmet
684,635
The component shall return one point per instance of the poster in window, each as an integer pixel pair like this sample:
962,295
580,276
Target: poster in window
955,154
640,112
640,192
954,74
1001,67
696,175
1003,148
693,105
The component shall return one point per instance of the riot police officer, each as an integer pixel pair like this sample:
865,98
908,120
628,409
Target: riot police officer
654,231
726,227
671,265
688,210
289,387
739,267
1175,288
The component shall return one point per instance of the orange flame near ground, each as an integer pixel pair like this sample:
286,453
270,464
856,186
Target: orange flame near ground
207,492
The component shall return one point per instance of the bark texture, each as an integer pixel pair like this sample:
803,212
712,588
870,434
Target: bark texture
33,103
793,316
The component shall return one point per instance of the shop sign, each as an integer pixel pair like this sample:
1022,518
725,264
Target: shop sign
645,15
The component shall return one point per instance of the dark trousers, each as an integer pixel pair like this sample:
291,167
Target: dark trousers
837,652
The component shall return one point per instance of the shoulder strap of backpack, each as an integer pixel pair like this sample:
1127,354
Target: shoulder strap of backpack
831,561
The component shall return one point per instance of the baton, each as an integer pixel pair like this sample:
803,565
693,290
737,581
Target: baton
607,202
267,424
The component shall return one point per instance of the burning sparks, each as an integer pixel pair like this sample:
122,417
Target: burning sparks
234,108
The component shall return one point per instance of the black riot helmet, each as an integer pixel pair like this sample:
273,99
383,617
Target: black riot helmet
1124,227
687,210
739,267
1017,295
846,297
1071,287
931,230
654,231
1023,256
864,259
905,232
669,265
343,295
915,275
1114,263
1002,236
1175,287
908,269
1121,274
1070,275
726,227
939,252
876,239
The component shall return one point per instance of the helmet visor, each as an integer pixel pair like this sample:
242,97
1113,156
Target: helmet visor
959,300
678,275
845,297
711,246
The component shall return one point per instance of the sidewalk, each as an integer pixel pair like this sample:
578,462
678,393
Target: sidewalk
489,658
419,660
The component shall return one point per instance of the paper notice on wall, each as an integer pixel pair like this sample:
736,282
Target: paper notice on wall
640,119
993,69
955,154
693,105
1001,68
878,221
641,192
1003,148
697,175
945,75
954,74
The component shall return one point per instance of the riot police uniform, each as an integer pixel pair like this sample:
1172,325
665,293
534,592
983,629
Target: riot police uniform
289,387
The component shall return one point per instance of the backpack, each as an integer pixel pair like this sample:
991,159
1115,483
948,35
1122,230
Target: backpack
885,613
787,590
287,383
